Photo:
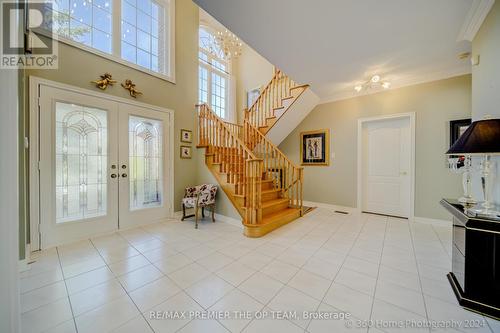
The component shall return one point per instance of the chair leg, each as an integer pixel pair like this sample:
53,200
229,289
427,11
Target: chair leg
213,213
203,212
196,217
183,212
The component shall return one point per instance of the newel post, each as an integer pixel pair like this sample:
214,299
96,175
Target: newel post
301,190
253,195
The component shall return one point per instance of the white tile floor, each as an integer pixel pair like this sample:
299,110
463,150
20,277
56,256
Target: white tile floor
373,268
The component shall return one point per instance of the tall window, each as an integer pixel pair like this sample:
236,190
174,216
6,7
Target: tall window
213,74
139,34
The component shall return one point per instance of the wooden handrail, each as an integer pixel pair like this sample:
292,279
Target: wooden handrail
243,168
270,98
235,129
288,177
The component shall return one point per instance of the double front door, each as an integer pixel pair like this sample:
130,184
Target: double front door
103,165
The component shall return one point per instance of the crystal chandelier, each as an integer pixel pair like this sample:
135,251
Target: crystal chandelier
229,43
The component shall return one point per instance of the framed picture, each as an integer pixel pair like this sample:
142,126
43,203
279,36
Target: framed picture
186,152
252,96
315,147
186,136
457,128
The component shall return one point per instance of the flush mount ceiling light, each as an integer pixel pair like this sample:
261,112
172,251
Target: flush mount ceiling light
375,82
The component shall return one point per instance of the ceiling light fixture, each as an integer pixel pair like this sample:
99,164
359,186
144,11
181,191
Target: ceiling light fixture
375,82
229,43
375,78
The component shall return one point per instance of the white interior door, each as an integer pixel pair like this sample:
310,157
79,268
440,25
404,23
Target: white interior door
104,165
386,158
78,164
144,175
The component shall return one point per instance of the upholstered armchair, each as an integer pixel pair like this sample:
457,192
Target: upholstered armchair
196,197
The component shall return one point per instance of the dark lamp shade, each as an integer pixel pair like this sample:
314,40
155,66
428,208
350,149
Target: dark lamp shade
482,137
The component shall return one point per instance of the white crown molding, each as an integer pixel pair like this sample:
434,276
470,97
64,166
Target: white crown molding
418,79
475,17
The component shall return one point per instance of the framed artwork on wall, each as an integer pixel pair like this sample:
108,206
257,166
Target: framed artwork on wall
252,96
457,128
186,136
186,152
315,147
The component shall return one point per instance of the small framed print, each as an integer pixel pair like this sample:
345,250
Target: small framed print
186,152
457,128
252,96
186,136
315,147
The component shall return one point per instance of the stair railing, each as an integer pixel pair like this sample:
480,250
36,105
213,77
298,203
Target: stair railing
244,169
270,98
235,129
287,177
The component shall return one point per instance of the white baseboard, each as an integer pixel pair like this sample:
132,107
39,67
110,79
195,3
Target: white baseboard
23,264
331,207
218,217
425,220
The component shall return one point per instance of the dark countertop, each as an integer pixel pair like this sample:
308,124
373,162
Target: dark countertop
470,221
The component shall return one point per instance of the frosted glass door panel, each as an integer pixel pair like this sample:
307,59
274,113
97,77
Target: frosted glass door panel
81,162
145,163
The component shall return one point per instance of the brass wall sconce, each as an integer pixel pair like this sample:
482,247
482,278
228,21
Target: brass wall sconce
105,81
130,86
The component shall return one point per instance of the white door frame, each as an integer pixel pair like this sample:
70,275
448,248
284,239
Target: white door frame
361,122
34,184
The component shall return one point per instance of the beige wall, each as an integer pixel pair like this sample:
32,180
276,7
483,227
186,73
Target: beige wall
434,104
251,70
486,76
486,83
78,68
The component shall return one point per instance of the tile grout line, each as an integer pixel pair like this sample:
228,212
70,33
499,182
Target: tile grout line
418,274
341,265
284,284
124,289
378,271
67,291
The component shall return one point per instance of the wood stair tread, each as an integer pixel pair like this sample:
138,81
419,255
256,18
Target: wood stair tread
274,202
271,190
279,215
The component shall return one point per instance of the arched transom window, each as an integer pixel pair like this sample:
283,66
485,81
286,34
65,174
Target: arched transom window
213,73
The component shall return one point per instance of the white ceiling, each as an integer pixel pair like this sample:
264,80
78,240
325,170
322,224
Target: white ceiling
335,44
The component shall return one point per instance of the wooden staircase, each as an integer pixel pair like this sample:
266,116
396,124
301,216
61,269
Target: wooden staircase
274,100
261,182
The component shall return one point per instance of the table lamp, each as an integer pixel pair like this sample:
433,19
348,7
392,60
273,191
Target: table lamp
482,138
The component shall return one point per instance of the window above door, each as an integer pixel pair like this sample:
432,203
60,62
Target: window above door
214,74
136,33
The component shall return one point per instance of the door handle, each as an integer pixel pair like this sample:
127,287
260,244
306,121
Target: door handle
114,175
124,175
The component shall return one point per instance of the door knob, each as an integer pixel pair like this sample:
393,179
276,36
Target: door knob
124,166
124,175
113,175
113,166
